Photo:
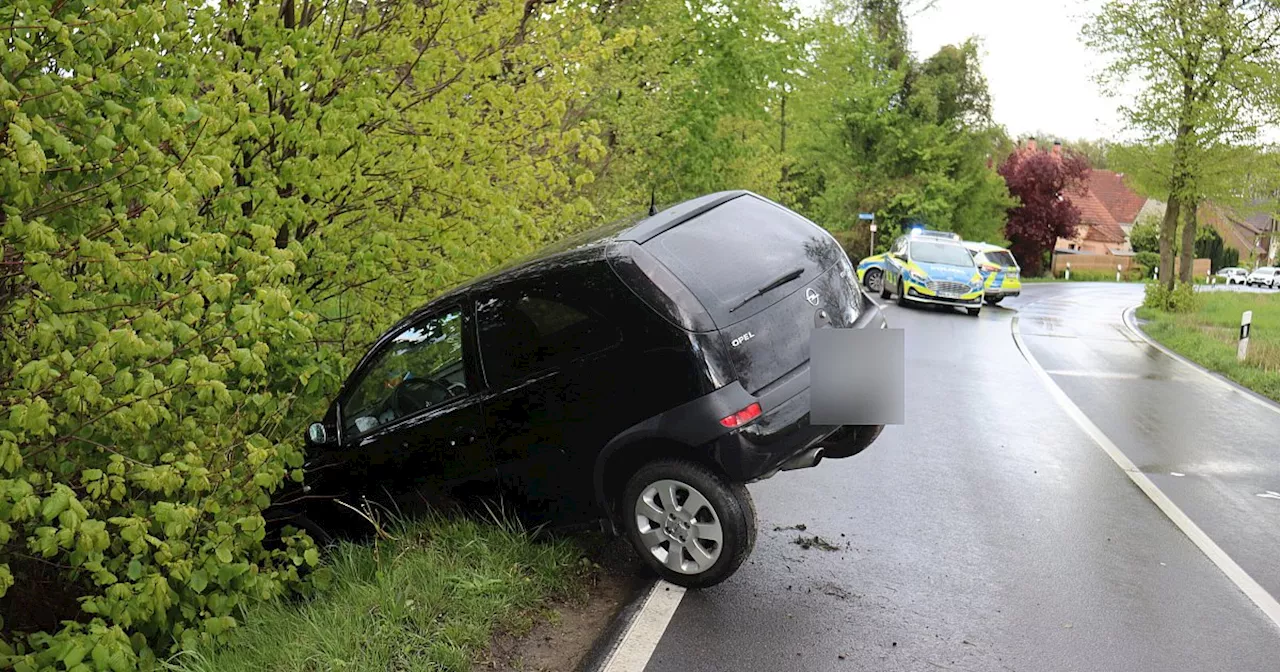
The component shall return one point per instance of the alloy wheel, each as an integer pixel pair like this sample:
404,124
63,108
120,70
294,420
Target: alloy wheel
875,280
679,526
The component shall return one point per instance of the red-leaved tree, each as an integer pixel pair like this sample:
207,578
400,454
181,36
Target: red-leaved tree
1040,180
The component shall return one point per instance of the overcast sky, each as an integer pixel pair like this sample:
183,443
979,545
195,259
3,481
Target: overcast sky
1039,72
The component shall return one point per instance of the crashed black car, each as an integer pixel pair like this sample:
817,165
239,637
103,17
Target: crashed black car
639,374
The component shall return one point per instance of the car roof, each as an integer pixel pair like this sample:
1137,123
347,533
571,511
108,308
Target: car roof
940,241
984,247
583,246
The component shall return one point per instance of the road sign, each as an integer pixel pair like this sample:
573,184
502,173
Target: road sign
873,228
866,216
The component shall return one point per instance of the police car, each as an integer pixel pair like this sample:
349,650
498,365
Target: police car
1001,274
930,267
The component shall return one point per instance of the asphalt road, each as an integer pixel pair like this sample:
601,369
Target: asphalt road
990,532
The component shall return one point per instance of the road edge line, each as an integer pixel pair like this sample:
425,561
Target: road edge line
636,634
1234,572
1129,318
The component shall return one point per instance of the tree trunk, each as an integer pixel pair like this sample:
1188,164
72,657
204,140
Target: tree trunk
1188,243
1168,228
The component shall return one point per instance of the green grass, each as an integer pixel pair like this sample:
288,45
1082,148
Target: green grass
1209,335
432,599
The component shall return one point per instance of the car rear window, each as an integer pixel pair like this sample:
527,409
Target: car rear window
726,254
1000,258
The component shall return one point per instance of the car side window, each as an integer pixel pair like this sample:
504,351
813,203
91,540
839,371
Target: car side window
421,367
530,331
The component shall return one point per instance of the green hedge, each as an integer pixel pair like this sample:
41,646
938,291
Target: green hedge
206,211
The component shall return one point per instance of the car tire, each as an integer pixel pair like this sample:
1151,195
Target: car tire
994,300
723,509
902,294
873,279
973,312
850,440
884,290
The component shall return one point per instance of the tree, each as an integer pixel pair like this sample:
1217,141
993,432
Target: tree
1038,179
1209,74
905,142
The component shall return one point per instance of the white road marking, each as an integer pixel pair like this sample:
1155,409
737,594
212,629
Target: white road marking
1095,374
1176,473
1236,574
641,637
1228,384
1270,494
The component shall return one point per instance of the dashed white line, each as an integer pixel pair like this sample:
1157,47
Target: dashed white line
641,638
1235,573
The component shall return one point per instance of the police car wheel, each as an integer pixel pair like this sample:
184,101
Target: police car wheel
902,294
874,280
973,311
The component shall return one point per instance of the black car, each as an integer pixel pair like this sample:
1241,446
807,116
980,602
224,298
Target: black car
638,374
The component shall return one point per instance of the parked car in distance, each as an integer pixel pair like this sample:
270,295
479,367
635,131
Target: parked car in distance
1001,275
924,268
1233,275
639,374
1264,276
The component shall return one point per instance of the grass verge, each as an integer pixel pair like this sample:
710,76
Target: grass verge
1209,335
431,599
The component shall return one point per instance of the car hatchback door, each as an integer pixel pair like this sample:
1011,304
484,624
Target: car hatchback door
413,423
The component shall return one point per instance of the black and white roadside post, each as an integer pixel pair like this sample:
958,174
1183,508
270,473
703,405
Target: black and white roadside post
1117,272
870,217
1246,322
1068,270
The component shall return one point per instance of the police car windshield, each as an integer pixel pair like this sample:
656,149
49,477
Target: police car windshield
940,253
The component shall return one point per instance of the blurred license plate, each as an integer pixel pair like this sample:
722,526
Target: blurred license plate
856,376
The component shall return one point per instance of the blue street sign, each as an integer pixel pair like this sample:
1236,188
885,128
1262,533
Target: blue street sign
866,216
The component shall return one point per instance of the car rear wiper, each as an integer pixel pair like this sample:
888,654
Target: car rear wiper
771,286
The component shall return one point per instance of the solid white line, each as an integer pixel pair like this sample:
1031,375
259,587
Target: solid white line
1095,374
641,638
1251,588
1229,384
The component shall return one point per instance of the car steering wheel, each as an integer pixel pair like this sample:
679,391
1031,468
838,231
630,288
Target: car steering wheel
415,394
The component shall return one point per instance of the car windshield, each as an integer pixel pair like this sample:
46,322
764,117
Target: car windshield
940,253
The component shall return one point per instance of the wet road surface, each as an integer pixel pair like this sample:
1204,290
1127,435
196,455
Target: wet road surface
991,533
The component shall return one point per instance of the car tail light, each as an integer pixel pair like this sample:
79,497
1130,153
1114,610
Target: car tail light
990,268
741,417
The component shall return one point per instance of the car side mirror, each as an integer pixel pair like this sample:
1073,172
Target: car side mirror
317,434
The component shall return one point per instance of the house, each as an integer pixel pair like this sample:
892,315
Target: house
1108,209
1254,236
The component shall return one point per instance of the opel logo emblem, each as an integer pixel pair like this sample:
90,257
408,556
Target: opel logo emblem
811,296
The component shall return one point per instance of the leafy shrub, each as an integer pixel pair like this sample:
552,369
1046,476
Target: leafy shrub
1148,260
1181,299
203,217
139,419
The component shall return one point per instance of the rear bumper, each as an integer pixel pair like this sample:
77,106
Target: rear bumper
763,447
782,431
